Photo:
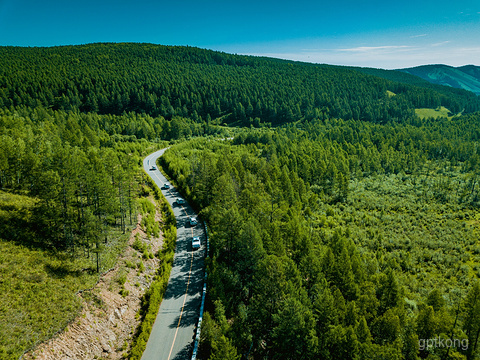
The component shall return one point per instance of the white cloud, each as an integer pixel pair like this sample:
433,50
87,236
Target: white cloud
440,43
417,36
469,51
310,50
385,48
381,54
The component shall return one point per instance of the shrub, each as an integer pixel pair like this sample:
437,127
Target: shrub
122,279
139,245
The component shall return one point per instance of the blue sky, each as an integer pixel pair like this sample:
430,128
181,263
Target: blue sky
384,34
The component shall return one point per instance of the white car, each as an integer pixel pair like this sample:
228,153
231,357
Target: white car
196,243
179,201
193,221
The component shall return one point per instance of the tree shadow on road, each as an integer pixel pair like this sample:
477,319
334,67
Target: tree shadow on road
185,353
190,313
179,276
177,282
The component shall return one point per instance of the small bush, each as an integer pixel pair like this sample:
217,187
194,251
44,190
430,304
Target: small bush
139,245
130,264
122,279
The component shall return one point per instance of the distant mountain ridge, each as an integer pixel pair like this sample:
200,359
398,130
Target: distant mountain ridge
464,77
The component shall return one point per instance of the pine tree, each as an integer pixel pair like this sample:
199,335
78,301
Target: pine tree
223,349
471,325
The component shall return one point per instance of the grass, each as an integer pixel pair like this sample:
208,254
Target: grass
38,286
434,113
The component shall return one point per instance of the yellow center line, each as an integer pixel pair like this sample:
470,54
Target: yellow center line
163,184
188,283
183,305
159,179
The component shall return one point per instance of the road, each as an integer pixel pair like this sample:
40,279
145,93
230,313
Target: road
173,331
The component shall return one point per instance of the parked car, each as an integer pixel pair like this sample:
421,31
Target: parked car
193,221
179,201
153,168
196,243
166,186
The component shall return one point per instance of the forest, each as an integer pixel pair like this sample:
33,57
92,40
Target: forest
342,225
205,85
339,239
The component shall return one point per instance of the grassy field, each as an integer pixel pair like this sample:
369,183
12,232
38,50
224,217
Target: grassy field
434,113
38,286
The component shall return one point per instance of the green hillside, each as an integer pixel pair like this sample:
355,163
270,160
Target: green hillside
68,191
203,84
37,282
417,79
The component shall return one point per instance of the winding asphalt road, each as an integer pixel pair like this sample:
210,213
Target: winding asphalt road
173,331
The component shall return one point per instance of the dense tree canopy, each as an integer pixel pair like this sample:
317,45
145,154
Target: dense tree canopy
205,85
83,178
299,264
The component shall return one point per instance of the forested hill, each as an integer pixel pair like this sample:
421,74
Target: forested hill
206,85
418,77
464,77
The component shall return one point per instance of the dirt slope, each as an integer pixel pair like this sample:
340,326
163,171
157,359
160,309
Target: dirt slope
108,320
